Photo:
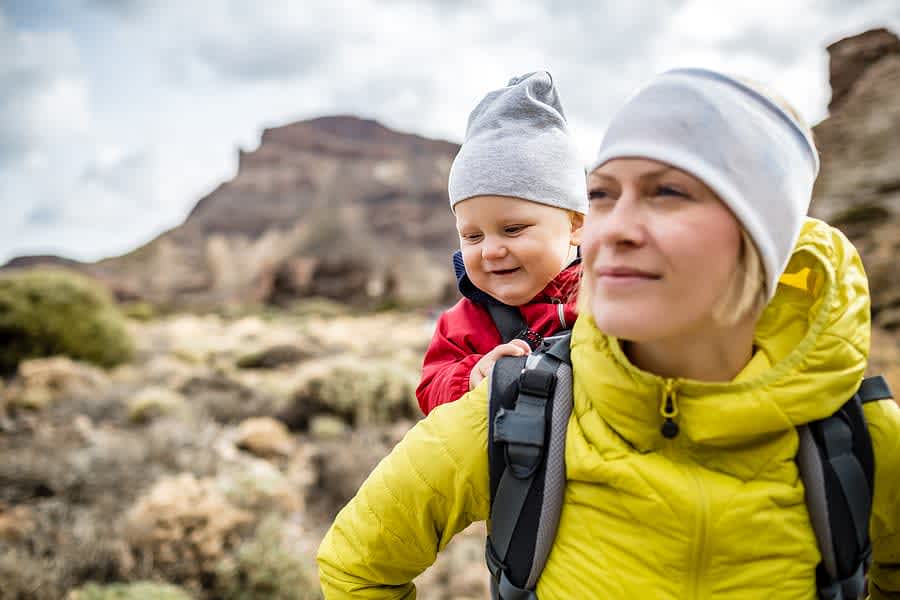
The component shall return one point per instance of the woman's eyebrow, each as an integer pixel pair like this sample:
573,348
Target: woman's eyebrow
654,174
659,172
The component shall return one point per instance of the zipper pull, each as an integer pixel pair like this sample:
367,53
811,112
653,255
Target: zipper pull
668,408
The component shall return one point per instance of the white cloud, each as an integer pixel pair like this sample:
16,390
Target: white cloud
43,93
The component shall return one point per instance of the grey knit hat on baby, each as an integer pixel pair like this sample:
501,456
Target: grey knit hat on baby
518,144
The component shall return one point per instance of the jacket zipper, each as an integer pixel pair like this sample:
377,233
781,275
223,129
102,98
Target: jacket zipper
561,311
668,408
698,558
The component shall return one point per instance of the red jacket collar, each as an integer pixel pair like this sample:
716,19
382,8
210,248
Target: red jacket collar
563,288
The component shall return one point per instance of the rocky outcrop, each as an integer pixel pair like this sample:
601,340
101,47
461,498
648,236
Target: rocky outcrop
335,207
858,188
850,57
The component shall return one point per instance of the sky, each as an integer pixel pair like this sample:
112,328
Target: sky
117,116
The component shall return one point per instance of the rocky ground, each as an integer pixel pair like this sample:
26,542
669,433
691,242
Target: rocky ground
214,461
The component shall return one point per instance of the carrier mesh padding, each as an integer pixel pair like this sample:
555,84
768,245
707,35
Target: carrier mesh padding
809,463
554,473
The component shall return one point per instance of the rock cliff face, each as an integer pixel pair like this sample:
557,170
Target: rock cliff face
858,188
338,207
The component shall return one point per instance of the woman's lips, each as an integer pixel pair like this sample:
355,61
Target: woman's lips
625,272
624,276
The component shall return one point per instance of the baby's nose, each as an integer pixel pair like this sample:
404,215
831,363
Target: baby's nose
493,249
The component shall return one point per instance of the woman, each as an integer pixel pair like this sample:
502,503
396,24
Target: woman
716,319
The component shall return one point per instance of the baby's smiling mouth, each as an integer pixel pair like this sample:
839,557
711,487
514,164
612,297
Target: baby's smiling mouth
504,271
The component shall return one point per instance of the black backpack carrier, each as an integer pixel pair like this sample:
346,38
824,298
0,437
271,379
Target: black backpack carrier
529,407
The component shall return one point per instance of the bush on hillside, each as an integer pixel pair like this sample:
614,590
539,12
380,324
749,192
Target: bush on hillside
50,312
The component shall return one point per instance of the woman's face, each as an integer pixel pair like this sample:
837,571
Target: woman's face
659,251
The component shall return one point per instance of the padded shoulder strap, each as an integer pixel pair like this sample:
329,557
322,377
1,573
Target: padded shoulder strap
507,319
873,389
560,347
530,402
837,466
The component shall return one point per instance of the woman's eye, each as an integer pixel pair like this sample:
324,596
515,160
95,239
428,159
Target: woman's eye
665,190
598,195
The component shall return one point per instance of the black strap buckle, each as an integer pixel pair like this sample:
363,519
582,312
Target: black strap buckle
530,337
537,382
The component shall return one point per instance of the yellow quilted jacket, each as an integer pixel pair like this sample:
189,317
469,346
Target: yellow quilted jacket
718,512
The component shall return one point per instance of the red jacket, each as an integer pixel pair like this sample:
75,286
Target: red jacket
465,333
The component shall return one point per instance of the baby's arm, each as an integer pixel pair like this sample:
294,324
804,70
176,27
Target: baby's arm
458,356
445,370
486,363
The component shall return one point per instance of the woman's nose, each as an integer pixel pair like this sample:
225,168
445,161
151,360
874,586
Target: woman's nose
623,223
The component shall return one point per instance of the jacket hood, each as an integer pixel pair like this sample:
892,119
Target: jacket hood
812,344
560,286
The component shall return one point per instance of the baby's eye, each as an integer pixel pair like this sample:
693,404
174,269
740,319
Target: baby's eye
513,229
471,237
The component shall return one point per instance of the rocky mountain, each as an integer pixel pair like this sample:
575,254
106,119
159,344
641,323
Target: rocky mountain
858,188
337,207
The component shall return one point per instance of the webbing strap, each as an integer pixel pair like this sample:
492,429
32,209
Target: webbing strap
511,495
856,493
874,388
839,481
507,319
521,430
851,588
507,591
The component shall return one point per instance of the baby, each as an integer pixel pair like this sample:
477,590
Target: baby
517,189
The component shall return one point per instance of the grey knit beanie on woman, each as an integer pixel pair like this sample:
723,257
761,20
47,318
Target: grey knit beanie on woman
739,142
518,144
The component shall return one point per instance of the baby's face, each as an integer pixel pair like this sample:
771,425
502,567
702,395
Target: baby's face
513,248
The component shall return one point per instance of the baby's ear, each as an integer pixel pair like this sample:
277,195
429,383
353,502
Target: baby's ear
577,221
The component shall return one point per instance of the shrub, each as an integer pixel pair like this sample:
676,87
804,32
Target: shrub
139,311
272,357
356,389
318,307
40,381
182,528
143,590
152,402
264,568
50,312
258,486
27,578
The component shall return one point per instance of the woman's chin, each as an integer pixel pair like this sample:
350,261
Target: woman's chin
633,326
